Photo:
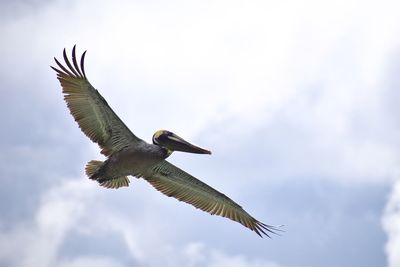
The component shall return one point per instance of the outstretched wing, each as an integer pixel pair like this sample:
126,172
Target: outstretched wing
90,110
174,182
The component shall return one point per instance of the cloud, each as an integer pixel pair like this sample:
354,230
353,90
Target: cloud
298,77
391,222
90,261
199,255
70,208
109,228
37,242
244,61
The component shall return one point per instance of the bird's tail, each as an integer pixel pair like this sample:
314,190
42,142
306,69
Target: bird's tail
92,168
93,171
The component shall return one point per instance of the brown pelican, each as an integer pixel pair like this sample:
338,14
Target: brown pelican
129,155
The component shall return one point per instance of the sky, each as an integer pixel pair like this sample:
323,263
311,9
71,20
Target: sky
298,101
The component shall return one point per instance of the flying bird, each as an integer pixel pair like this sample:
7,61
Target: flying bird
129,155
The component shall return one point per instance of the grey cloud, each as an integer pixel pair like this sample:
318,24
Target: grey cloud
10,10
390,221
40,145
81,220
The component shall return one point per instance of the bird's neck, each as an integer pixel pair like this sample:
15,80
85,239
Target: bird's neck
166,152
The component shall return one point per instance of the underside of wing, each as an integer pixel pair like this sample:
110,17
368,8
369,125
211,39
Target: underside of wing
90,110
174,182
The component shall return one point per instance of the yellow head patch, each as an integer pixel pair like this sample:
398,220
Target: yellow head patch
158,133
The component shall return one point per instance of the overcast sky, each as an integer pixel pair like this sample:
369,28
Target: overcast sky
298,101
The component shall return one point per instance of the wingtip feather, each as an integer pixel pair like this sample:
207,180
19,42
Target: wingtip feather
83,65
75,62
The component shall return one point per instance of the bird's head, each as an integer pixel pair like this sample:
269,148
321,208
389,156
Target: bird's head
172,142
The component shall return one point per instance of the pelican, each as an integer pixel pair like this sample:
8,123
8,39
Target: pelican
129,155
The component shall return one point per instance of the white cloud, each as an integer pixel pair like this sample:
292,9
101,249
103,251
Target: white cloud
220,260
319,63
37,242
65,209
86,261
222,58
198,254
391,224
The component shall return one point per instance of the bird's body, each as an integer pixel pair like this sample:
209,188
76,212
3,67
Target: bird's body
132,160
129,155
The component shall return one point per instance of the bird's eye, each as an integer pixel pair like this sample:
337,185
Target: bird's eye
163,136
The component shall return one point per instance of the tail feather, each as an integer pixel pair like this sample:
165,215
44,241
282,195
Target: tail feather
92,167
92,171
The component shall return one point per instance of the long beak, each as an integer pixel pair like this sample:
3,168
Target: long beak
176,143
